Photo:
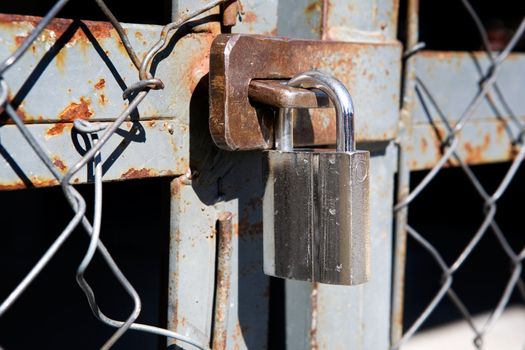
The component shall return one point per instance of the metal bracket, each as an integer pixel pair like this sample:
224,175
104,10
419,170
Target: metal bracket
241,70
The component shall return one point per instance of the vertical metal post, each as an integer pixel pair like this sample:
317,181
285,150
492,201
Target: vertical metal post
326,317
403,175
193,213
191,279
359,317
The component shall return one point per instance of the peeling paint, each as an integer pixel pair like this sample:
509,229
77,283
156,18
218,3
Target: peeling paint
100,84
80,110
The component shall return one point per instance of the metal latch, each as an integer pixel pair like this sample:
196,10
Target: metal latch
246,72
277,94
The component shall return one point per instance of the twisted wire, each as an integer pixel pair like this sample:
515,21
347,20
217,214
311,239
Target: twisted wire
76,201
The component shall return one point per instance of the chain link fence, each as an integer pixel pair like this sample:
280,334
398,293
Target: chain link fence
98,134
488,89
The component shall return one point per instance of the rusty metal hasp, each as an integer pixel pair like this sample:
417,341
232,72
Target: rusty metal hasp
244,74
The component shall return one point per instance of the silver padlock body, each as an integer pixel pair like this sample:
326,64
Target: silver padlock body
342,240
287,218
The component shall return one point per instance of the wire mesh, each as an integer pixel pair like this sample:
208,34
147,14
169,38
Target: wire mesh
99,135
488,89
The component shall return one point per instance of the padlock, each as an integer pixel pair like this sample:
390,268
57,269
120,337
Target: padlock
315,206
287,205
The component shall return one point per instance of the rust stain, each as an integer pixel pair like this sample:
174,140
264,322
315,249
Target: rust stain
250,17
100,84
313,325
81,110
122,49
472,152
59,164
313,7
222,290
249,229
176,187
60,60
133,173
424,145
475,153
56,129
230,10
514,149
21,114
19,39
500,132
102,99
58,26
35,181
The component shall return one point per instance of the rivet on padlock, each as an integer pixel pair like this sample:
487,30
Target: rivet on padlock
332,236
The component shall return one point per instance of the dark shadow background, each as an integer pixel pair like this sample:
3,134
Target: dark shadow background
150,12
446,25
53,312
448,213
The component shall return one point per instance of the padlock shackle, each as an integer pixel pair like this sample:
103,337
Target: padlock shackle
341,99
284,130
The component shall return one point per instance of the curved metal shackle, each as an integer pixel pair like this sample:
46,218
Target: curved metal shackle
341,99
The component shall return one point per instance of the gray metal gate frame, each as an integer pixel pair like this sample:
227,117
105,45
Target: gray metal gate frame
80,69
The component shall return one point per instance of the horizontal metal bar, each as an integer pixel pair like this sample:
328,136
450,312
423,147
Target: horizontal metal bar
483,141
450,80
79,70
275,93
453,79
138,150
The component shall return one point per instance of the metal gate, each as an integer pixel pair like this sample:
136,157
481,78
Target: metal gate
85,101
